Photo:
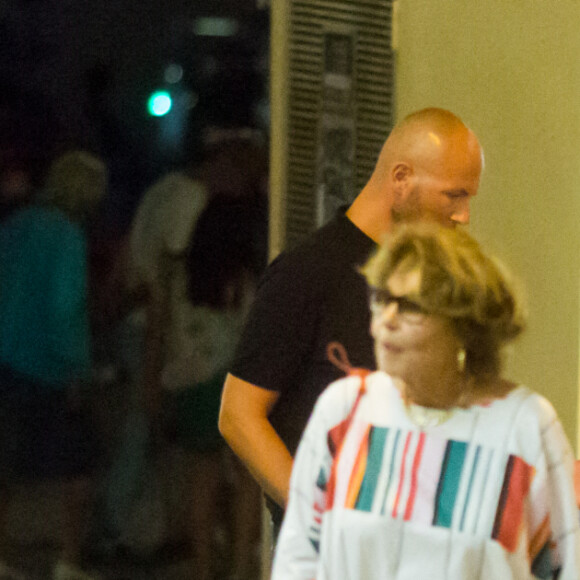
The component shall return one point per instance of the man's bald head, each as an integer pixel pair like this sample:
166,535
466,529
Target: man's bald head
429,139
429,168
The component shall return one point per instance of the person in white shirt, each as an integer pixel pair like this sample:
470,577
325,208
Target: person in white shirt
434,466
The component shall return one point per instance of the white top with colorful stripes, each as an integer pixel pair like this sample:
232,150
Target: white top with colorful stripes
487,494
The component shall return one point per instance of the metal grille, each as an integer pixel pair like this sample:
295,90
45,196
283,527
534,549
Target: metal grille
368,24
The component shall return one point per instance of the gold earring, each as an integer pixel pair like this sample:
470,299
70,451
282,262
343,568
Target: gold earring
461,354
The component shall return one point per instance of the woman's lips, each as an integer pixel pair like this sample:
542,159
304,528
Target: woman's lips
390,347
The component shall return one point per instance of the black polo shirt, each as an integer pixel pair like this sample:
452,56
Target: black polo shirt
308,297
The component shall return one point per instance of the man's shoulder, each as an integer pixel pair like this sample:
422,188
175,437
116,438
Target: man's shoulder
338,241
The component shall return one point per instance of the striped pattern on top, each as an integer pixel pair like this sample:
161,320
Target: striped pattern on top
417,477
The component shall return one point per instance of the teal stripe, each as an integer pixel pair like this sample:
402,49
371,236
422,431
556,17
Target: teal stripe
469,487
377,438
543,564
321,480
449,483
391,470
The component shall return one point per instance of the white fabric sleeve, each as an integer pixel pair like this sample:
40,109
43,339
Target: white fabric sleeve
297,551
555,486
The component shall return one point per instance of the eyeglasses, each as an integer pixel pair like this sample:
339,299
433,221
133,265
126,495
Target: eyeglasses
407,310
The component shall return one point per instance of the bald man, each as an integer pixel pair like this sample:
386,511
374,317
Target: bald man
428,169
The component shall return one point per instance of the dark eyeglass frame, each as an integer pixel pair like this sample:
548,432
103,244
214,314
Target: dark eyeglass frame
405,306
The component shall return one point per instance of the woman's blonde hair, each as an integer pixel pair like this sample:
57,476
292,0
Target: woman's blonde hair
457,281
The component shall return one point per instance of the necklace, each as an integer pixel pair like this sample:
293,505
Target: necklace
427,416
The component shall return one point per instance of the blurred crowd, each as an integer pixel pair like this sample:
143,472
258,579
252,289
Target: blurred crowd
130,331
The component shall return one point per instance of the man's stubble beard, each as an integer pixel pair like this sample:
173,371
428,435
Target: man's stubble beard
407,211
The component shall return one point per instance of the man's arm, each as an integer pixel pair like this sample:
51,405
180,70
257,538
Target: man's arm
244,424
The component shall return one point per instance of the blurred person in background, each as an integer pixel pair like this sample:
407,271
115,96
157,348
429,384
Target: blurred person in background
149,271
226,253
45,349
157,340
223,263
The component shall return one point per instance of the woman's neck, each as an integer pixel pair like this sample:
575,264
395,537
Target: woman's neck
443,393
463,392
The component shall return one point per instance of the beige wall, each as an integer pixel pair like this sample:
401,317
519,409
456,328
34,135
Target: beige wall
511,70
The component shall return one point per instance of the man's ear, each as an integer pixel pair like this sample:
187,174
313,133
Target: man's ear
401,172
401,175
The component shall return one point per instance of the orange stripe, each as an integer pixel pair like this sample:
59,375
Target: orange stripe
358,472
336,437
540,538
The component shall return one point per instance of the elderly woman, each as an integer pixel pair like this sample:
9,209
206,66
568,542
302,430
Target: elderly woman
434,466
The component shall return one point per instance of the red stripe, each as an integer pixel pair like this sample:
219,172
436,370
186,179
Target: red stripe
511,516
335,439
416,463
336,435
402,476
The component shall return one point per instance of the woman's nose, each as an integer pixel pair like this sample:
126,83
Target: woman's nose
388,313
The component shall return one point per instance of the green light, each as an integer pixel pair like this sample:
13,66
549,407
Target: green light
159,103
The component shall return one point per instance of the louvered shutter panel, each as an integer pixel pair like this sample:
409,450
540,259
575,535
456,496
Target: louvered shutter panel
339,107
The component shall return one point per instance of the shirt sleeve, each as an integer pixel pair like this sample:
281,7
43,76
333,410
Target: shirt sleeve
298,553
555,538
297,550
